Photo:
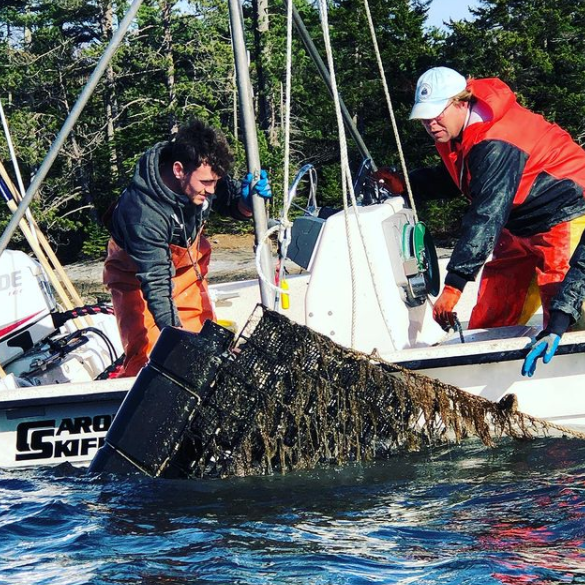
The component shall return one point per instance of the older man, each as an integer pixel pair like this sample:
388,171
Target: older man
524,178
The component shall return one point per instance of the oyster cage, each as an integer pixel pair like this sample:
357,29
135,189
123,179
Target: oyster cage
289,398
283,398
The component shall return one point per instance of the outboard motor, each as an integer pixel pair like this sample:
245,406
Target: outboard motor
27,302
39,344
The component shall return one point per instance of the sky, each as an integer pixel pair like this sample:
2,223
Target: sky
443,10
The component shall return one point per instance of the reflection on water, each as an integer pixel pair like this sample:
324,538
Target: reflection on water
457,515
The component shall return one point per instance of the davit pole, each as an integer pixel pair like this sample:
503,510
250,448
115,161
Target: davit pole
251,140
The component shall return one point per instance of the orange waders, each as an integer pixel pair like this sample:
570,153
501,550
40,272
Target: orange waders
138,330
523,274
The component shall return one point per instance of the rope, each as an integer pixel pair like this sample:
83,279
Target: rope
285,225
391,111
459,329
283,228
284,232
347,185
101,308
267,281
348,188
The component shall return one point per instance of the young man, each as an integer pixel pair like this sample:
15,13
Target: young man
524,178
158,258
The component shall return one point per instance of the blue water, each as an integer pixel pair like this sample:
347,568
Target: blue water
458,515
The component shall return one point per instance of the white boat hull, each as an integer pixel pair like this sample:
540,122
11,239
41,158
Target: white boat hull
491,369
50,425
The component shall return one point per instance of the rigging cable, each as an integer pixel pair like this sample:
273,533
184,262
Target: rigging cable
395,127
391,110
284,233
287,98
283,228
348,187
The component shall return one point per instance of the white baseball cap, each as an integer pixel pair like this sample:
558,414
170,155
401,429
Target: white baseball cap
434,89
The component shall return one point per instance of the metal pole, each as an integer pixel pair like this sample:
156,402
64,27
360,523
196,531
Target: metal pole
14,160
324,73
251,140
69,123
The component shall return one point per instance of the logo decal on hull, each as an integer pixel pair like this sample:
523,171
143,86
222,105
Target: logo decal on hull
72,437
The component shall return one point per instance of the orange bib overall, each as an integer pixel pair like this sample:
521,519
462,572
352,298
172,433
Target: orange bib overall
138,331
523,274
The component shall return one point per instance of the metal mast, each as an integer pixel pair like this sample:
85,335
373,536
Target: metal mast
251,140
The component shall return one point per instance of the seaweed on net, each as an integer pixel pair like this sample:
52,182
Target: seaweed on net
291,398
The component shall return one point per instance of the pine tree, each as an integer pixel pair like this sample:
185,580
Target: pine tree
536,46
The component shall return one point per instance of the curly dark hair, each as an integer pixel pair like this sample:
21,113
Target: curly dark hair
197,143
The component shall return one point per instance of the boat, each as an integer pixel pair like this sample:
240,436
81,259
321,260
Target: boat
372,274
484,362
367,277
53,408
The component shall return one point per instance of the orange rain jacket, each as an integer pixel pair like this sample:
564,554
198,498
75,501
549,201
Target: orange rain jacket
517,170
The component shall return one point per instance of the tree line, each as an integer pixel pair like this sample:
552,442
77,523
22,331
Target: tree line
176,63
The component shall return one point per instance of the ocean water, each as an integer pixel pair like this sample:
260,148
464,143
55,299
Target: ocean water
465,514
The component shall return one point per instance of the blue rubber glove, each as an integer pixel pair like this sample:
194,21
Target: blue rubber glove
261,188
545,347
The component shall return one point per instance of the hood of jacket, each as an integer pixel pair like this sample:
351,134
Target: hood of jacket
494,94
147,178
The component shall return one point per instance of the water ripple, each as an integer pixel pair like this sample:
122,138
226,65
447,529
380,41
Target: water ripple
459,515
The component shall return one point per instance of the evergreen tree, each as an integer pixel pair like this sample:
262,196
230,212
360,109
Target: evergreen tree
176,63
536,46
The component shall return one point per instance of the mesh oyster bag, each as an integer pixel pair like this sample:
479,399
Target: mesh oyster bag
291,398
